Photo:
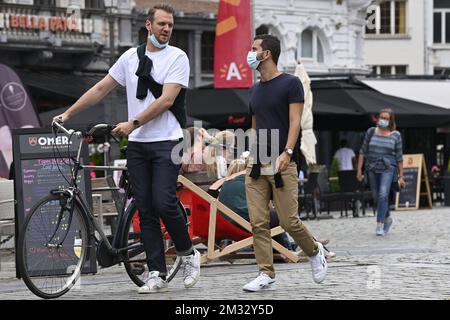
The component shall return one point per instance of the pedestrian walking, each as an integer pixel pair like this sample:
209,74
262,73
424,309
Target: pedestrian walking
382,155
276,104
156,76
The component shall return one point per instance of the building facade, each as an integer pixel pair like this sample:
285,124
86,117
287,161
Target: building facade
409,37
326,35
438,37
74,35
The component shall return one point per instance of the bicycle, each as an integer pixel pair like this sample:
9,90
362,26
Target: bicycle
62,229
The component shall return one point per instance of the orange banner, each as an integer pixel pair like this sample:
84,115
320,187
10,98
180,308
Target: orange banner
233,41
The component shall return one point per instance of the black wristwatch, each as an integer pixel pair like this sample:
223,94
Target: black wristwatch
136,123
289,151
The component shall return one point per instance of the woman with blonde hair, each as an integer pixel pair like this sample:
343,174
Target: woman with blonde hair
194,159
383,151
218,151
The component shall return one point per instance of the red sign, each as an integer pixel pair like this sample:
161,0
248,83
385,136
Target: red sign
43,23
233,42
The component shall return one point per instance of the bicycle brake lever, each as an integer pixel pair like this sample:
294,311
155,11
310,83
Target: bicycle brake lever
112,136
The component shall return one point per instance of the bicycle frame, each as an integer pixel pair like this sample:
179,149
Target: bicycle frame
75,194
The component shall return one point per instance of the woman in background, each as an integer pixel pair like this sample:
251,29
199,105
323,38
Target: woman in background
382,148
194,159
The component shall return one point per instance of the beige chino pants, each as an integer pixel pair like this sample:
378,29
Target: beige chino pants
258,192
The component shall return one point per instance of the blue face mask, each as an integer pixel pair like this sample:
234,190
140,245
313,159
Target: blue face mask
252,60
382,123
156,43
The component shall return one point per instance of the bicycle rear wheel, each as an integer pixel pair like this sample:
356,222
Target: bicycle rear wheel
136,259
52,246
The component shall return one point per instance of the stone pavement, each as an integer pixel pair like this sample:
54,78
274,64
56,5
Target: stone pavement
412,262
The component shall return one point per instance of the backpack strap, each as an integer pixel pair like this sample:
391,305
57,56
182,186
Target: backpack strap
370,134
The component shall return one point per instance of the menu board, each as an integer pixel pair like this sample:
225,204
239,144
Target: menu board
417,185
40,168
407,197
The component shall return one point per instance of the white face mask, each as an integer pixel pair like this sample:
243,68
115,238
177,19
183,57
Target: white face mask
383,123
252,60
156,43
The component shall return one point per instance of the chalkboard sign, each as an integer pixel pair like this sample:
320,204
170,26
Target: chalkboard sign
416,180
408,195
36,173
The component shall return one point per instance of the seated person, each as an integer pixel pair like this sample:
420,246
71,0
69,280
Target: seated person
220,150
232,194
194,159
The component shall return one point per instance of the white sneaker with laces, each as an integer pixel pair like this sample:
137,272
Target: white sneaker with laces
191,272
154,283
262,282
319,265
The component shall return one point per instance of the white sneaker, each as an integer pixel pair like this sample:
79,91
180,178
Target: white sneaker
319,265
154,283
262,282
191,272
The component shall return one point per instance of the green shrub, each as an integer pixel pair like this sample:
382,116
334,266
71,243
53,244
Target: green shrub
334,184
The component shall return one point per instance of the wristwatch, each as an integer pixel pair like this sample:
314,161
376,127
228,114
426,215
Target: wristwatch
136,123
289,151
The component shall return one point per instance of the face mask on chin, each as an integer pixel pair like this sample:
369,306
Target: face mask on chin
156,43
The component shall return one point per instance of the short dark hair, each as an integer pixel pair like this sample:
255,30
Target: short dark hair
271,43
343,143
165,7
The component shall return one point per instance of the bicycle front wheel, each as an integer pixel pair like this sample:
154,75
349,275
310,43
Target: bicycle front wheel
136,259
52,246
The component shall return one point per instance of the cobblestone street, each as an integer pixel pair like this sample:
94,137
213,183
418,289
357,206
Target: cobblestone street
412,262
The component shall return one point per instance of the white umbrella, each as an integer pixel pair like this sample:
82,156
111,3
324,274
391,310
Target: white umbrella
308,142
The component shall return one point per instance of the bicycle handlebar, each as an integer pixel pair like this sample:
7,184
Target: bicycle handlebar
59,125
105,128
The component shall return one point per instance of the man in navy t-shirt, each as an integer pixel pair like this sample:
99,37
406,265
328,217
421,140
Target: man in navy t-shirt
270,102
276,104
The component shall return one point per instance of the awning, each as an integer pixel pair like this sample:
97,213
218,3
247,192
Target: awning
355,106
343,104
222,108
434,92
73,86
65,84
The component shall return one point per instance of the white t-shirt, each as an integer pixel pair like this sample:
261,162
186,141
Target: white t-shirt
345,156
170,65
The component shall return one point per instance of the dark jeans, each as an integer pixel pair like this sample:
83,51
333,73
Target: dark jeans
153,177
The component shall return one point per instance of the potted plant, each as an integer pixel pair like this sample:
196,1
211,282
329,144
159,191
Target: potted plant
334,183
